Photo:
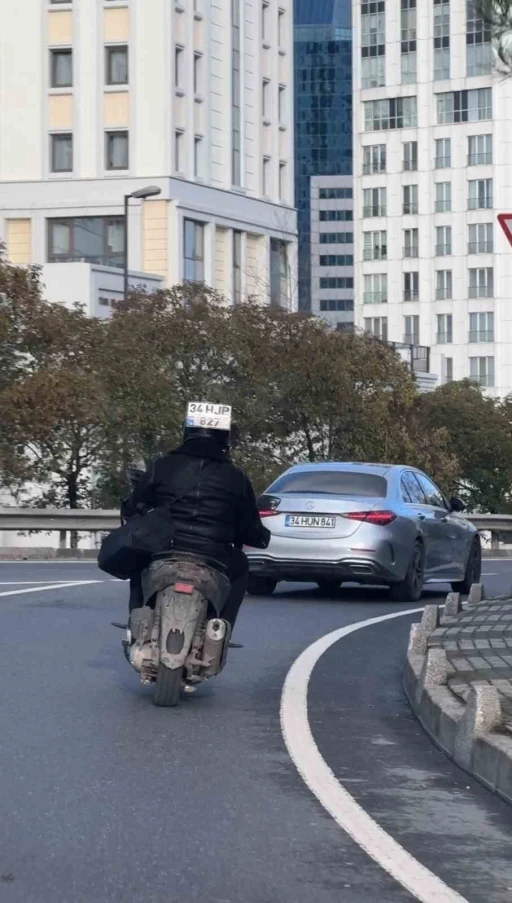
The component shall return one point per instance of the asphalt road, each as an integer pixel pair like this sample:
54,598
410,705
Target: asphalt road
104,797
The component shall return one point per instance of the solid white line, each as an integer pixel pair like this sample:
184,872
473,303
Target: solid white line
30,582
315,772
42,589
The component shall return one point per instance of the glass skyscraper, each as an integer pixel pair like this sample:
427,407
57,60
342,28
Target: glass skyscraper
323,110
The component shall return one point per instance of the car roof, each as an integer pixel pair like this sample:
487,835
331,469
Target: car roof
377,469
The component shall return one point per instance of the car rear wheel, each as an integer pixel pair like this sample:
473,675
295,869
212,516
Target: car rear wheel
411,587
261,586
473,570
328,587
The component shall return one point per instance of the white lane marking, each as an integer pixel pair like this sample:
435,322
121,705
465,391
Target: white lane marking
490,575
30,582
333,796
42,589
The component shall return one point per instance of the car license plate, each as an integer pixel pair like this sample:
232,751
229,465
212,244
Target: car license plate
310,520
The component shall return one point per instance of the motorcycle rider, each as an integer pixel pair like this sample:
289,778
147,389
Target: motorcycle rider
215,519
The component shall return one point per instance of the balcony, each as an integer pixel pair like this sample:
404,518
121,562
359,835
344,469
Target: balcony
444,338
444,250
481,291
480,247
375,253
411,294
411,251
375,297
370,169
374,210
479,159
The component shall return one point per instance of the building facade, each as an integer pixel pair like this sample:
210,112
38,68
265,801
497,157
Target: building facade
432,169
101,98
323,119
332,250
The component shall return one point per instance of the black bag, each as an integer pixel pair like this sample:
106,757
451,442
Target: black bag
128,549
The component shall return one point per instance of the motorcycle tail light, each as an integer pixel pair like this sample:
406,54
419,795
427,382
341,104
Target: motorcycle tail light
185,588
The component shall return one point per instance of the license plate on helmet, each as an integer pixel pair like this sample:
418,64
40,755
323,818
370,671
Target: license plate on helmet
310,520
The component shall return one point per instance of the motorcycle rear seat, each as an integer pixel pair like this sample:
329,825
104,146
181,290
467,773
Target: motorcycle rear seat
191,556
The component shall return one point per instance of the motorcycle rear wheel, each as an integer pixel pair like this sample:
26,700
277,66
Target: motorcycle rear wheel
168,686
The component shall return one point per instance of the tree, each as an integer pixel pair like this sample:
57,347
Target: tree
497,19
480,437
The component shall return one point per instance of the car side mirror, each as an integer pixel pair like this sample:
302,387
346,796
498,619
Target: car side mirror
457,506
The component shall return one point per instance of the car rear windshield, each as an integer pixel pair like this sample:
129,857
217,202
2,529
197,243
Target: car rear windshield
332,482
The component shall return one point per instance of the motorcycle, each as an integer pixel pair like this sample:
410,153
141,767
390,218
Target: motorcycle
177,639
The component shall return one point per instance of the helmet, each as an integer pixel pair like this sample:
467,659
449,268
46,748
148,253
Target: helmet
212,422
223,438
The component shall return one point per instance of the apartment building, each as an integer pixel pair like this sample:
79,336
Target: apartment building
332,250
102,98
433,168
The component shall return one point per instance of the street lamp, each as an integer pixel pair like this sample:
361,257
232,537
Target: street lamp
140,194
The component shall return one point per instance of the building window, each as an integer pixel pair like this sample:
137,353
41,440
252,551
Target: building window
237,266
444,334
266,177
410,158
198,74
443,285
337,282
283,117
481,327
481,371
266,104
374,159
336,260
116,65
373,42
443,158
481,282
410,199
411,243
92,239
478,42
336,238
193,241
464,106
480,194
61,153
443,197
373,71
332,194
279,290
411,286
377,326
443,241
447,370
374,202
179,157
391,113
198,157
375,288
479,150
335,216
375,245
441,40
265,23
116,150
179,67
336,304
236,130
412,330
281,28
480,238
61,68
283,182
408,39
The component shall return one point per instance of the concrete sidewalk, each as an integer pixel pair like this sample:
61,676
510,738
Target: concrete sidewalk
458,679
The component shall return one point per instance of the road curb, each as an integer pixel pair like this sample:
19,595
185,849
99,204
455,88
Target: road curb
468,733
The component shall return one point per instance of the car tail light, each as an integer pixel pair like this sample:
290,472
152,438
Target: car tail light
268,505
268,512
185,588
378,518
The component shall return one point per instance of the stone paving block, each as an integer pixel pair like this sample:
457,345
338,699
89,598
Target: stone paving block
477,662
460,664
495,661
507,659
466,644
482,644
497,643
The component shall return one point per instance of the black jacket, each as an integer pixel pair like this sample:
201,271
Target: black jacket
218,513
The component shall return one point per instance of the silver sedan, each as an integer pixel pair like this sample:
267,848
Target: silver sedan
372,524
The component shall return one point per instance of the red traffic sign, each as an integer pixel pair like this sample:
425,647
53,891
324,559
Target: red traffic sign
505,221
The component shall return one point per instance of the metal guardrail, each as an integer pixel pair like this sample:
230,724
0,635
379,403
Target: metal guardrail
93,520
